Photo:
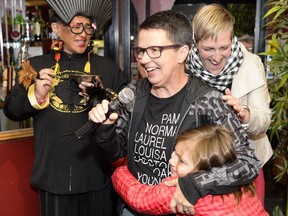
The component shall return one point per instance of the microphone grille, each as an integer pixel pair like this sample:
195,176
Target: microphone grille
126,95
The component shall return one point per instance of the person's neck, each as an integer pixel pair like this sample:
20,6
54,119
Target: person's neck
171,88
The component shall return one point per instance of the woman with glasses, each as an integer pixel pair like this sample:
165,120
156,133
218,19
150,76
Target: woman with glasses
167,102
71,174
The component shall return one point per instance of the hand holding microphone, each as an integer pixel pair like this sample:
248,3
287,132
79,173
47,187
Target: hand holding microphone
102,112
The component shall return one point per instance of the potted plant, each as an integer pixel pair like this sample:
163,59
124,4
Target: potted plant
277,16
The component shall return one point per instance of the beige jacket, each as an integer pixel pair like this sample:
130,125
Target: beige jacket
250,86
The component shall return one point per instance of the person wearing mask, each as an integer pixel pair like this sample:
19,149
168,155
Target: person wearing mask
71,174
167,102
196,149
220,60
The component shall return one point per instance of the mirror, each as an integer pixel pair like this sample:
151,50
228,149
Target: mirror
8,125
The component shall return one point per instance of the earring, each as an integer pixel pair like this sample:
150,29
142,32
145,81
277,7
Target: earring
57,45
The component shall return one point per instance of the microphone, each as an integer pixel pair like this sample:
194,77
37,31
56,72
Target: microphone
125,96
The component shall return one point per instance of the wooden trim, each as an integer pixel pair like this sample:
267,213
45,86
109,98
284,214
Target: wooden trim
35,3
16,134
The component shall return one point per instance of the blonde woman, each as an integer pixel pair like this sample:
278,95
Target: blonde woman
220,60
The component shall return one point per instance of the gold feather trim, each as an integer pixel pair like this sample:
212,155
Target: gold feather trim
27,74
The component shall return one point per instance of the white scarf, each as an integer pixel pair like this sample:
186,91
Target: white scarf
224,79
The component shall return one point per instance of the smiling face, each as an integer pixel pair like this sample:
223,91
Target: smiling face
167,70
73,43
181,162
215,52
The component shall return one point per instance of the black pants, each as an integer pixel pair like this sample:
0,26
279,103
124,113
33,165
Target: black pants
94,203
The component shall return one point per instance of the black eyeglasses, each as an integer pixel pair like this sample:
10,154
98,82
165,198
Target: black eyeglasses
78,28
153,51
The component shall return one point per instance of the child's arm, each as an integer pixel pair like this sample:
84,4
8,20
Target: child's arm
146,199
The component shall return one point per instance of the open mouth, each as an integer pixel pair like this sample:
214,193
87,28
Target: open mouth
213,62
150,69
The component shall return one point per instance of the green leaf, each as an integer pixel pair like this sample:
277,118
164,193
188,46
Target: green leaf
277,211
279,13
271,11
283,82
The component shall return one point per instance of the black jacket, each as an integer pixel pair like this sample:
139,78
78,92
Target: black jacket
64,164
202,105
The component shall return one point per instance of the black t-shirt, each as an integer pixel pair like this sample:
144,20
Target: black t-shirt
155,138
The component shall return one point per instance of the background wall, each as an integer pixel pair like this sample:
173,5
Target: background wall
17,197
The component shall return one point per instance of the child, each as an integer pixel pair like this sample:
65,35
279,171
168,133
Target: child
197,149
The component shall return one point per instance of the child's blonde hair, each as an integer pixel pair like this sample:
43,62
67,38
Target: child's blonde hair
211,146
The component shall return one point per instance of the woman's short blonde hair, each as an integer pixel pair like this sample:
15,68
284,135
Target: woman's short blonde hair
210,20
